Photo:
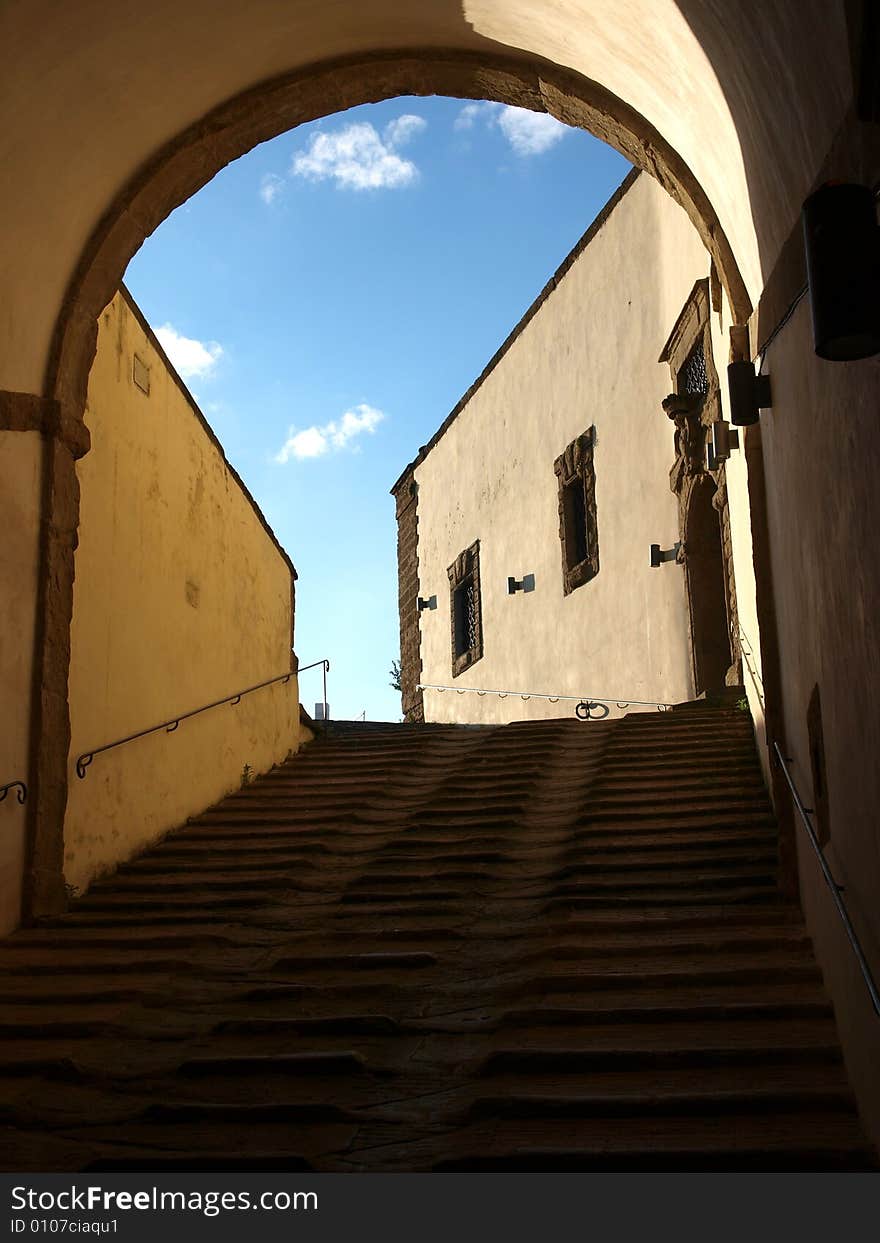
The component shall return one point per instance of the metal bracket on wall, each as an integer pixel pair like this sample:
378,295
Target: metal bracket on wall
659,555
526,583
430,603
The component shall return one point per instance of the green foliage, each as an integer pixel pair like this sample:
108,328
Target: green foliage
395,676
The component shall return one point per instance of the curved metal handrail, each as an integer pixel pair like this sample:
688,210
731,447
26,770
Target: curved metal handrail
21,796
83,761
314,665
589,702
832,884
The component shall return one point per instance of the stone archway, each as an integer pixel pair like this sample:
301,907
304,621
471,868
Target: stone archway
190,160
177,171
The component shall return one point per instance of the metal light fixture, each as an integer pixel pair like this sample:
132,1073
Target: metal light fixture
526,583
724,439
749,393
430,603
659,555
842,244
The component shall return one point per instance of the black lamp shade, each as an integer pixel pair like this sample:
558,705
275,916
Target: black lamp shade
842,242
744,396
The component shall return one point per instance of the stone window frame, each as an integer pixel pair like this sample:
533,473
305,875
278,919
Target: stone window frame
694,327
575,465
466,566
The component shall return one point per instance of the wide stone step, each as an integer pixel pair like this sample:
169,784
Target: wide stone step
652,843
800,1141
752,939
636,801
678,819
670,975
641,860
732,1004
620,1103
628,879
664,896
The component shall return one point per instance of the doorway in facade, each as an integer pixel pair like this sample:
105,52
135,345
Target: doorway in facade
706,592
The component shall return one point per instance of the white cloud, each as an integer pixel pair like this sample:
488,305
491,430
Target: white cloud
316,441
529,133
401,130
468,115
271,186
188,356
358,159
310,443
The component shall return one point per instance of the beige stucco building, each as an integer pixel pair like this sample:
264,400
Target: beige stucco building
526,524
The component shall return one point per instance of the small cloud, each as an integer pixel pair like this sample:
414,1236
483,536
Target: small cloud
188,356
309,443
399,132
356,158
529,133
271,186
362,419
333,436
468,115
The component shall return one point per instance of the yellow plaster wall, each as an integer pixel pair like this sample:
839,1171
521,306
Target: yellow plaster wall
20,468
587,357
181,597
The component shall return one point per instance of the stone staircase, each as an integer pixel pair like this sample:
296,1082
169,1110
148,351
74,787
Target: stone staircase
544,946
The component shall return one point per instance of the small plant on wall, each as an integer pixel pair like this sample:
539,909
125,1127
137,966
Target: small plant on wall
247,776
395,676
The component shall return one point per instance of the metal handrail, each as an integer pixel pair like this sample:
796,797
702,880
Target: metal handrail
832,884
588,701
749,657
11,785
84,760
313,665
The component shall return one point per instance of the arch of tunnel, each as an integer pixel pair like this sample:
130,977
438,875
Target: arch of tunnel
114,119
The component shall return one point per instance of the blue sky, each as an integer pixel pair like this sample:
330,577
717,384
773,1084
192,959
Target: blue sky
330,296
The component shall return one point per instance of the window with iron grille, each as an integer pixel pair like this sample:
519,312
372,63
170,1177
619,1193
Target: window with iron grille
465,613
693,377
578,530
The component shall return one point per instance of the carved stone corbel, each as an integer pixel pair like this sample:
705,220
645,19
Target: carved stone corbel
685,410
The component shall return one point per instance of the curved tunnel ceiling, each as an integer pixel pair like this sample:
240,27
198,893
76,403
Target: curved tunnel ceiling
91,93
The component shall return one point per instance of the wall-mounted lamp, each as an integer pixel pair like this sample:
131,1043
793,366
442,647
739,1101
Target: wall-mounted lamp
430,603
526,583
724,439
659,555
842,244
749,393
